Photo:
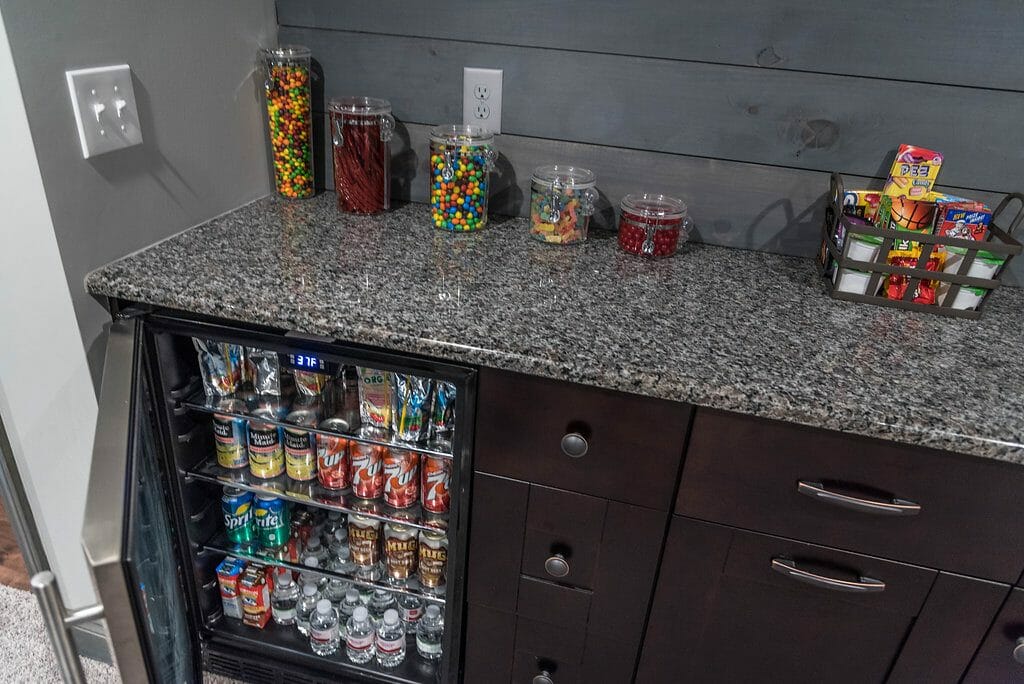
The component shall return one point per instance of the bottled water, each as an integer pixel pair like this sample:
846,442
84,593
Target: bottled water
339,543
429,633
367,573
380,601
390,640
410,609
360,637
343,562
335,522
311,576
305,607
284,600
314,549
323,629
337,587
348,607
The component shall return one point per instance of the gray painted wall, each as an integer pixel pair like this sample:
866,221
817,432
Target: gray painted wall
204,151
740,108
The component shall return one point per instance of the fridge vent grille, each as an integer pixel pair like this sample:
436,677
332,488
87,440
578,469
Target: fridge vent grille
240,669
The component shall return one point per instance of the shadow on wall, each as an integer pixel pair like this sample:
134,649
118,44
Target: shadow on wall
776,228
403,163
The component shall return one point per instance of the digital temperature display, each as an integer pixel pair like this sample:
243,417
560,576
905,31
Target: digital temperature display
306,362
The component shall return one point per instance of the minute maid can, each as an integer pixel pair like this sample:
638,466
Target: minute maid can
266,445
236,505
271,519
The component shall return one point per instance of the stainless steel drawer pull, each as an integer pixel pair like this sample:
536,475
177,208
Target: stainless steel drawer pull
864,585
574,445
817,490
557,566
1018,651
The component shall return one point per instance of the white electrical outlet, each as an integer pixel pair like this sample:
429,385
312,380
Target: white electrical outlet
481,98
104,103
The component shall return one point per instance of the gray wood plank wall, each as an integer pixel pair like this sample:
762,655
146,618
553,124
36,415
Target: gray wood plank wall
740,108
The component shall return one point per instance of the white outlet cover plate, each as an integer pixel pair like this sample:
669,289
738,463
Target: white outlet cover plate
491,80
105,111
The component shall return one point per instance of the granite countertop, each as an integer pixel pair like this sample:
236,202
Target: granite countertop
742,331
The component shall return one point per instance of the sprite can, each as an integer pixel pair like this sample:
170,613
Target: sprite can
271,520
236,505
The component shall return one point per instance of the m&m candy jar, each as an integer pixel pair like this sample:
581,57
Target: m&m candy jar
361,129
652,226
461,159
289,117
561,202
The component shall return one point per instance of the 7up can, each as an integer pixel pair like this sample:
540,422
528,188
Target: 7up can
271,519
236,505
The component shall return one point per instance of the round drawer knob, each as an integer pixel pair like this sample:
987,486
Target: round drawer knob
1018,651
543,678
557,566
574,445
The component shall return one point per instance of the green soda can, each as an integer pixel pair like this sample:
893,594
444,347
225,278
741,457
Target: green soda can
272,521
236,505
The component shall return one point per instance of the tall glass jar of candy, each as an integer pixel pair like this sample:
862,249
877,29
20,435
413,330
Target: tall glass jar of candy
361,130
561,202
289,107
461,159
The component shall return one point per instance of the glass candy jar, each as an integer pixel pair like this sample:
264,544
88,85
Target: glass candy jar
652,226
289,117
561,202
461,159
361,129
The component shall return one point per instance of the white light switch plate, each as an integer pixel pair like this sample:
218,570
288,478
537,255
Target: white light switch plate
105,110
481,97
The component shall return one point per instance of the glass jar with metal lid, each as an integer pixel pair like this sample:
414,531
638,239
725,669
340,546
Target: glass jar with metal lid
289,118
461,159
361,129
561,202
652,225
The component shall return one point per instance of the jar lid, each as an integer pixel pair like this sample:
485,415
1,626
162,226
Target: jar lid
650,205
458,134
357,104
286,52
566,175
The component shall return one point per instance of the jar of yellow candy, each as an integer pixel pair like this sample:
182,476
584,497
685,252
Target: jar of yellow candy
461,159
289,118
561,203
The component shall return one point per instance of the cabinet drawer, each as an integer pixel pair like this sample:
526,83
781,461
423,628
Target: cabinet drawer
553,604
997,660
563,535
856,493
490,642
545,648
633,444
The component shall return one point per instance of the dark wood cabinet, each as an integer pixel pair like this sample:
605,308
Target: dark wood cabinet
1001,656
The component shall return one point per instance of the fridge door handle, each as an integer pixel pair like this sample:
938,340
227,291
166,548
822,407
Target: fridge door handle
59,621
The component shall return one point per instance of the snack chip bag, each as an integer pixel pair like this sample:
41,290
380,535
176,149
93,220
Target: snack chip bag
913,172
896,284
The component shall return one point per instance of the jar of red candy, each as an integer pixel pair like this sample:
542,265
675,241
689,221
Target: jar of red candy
289,117
461,159
561,201
653,226
361,129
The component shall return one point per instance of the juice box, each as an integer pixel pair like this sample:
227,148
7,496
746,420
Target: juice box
229,572
254,588
964,219
913,172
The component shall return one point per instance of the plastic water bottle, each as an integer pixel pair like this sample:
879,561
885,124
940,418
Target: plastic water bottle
305,607
336,586
410,609
339,543
429,633
335,522
381,601
323,629
285,599
367,573
360,637
311,576
348,607
314,549
390,640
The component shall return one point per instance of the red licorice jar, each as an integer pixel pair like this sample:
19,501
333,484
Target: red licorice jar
361,130
652,226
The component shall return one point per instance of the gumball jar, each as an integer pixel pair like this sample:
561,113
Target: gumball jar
461,160
361,129
289,119
561,202
652,226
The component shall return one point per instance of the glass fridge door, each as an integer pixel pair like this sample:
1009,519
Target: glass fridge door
127,534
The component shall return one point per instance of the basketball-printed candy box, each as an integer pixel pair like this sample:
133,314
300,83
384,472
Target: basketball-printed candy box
903,213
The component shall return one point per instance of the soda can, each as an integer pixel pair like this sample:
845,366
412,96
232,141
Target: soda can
400,551
266,445
271,520
367,470
433,559
236,504
401,478
334,465
300,445
229,435
436,474
364,540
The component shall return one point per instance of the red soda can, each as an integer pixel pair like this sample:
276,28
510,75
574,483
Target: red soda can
334,467
436,473
401,478
367,475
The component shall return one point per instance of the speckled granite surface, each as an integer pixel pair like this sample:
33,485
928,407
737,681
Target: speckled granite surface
743,331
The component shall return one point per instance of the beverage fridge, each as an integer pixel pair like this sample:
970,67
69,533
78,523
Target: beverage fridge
227,456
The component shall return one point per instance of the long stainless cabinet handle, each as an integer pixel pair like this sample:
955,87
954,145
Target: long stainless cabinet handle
864,585
817,490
